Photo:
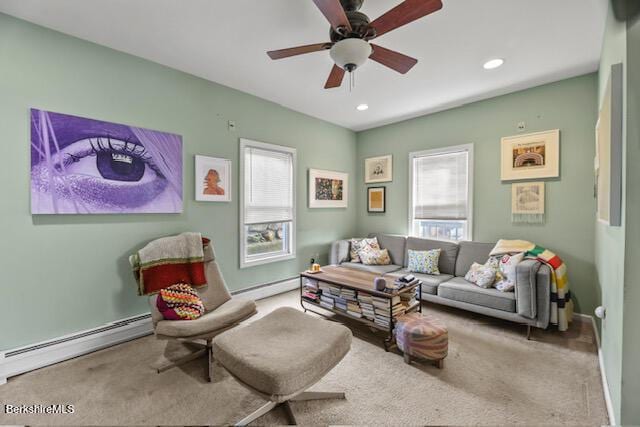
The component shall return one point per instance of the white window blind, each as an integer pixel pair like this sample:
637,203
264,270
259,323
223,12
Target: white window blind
440,186
268,186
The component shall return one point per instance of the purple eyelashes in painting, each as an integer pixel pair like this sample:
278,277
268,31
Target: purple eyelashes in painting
88,166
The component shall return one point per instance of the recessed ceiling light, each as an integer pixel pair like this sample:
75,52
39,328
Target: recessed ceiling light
362,107
494,63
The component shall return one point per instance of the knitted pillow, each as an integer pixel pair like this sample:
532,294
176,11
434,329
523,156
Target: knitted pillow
179,302
425,262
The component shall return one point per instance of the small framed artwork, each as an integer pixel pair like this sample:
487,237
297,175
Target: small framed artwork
531,156
378,169
213,179
527,202
376,199
328,189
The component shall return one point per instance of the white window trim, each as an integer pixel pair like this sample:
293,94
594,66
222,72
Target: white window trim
444,150
244,263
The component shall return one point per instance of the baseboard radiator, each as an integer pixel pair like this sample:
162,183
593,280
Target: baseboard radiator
28,358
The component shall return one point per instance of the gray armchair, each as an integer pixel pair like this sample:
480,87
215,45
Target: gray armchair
222,312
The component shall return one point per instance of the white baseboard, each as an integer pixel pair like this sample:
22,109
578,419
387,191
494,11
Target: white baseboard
265,291
28,358
603,373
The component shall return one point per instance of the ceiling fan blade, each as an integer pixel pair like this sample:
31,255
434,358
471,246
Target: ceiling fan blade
406,12
392,59
298,50
335,78
333,11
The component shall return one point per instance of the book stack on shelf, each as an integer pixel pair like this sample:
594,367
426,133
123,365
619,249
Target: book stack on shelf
408,299
327,301
385,308
348,294
310,290
366,305
353,309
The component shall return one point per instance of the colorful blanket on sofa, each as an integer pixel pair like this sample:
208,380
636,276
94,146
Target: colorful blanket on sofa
170,260
561,304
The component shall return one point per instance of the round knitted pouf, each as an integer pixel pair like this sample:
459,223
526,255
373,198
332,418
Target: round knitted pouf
423,337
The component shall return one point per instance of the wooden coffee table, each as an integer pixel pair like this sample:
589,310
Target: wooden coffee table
360,282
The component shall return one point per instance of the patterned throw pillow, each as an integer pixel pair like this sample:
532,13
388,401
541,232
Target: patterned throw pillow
179,302
481,275
424,261
494,263
375,256
358,245
508,265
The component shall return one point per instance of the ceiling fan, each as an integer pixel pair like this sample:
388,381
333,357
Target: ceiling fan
351,32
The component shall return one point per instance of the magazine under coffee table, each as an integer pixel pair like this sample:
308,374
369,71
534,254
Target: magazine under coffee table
352,292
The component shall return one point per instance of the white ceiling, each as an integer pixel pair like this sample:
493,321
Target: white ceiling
225,41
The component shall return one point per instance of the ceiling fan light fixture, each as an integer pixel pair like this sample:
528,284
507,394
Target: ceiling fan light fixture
350,54
493,64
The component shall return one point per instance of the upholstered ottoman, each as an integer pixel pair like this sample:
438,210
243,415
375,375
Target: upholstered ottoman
282,355
423,337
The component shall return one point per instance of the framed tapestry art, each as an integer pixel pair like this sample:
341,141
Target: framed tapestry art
328,189
531,156
86,166
376,199
378,169
213,179
527,202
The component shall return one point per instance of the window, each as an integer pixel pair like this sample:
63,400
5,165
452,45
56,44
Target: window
441,191
267,203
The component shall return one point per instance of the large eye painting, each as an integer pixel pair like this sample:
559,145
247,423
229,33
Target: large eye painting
85,166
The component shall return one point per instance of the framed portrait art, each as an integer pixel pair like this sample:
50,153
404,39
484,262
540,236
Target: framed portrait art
328,189
213,179
378,169
376,199
531,156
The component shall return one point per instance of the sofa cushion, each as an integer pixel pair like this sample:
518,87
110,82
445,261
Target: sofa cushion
395,244
377,269
429,282
469,253
448,253
458,289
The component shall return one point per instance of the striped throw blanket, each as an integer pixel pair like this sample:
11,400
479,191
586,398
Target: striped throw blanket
170,260
561,304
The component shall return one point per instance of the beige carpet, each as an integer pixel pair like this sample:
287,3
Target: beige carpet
492,376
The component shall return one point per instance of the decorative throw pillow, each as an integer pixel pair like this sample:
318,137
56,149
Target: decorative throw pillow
481,275
179,302
494,263
424,261
508,265
375,256
358,245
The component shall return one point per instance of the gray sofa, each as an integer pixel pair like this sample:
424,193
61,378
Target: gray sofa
528,305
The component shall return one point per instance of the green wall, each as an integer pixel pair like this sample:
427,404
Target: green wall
610,241
630,411
61,274
570,106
